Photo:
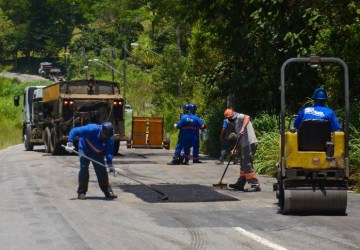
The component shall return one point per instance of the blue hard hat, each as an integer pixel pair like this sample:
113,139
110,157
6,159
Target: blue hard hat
108,129
319,94
186,107
192,107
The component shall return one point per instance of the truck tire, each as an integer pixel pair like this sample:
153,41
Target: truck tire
54,142
128,140
47,140
166,143
27,136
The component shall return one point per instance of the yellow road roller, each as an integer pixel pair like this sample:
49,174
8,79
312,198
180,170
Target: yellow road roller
313,168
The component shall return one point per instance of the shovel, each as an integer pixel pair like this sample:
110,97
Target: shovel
220,184
224,185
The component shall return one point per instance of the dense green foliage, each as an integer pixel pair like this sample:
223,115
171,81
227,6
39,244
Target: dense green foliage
11,117
212,53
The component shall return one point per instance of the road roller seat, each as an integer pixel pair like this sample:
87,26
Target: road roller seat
313,135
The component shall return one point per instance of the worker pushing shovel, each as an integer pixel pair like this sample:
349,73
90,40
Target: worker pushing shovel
95,141
248,142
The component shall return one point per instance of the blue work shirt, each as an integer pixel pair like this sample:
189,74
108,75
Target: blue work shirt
189,123
90,142
318,112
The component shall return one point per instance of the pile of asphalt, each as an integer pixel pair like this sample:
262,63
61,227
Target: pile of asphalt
176,193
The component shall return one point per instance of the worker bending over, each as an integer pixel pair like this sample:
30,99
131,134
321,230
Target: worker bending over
95,142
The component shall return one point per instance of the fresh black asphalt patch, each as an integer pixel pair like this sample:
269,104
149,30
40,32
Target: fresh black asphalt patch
176,193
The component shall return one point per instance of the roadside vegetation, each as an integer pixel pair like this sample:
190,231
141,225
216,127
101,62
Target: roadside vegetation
10,116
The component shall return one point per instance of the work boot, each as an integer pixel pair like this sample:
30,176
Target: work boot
110,195
174,162
197,161
81,196
219,163
253,188
239,185
186,161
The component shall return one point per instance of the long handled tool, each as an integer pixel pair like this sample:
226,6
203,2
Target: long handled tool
220,184
164,196
224,185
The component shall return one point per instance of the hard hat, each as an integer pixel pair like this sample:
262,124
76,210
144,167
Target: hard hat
319,94
186,107
108,129
192,108
228,113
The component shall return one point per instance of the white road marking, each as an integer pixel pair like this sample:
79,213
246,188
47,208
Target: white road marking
259,239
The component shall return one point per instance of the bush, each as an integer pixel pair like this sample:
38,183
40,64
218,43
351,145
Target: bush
11,116
266,127
354,151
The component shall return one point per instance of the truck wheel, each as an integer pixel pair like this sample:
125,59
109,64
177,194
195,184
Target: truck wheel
28,145
116,147
128,141
167,141
47,138
54,143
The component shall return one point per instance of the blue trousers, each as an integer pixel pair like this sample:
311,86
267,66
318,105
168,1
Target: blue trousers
185,142
196,146
101,174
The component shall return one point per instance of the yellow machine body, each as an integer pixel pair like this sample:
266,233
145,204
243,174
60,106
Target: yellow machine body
313,159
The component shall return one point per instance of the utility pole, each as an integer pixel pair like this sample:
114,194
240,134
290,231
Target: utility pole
124,69
86,66
112,64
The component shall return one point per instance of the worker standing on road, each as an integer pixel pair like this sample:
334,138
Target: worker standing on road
318,111
96,141
188,127
228,138
248,142
196,139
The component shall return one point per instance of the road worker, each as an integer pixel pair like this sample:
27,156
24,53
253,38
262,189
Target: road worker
196,139
318,111
188,126
228,138
248,142
96,142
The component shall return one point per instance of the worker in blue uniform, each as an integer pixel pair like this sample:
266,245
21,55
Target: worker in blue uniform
188,126
96,142
196,139
318,111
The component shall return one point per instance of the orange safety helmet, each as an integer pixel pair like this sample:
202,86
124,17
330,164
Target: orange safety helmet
228,112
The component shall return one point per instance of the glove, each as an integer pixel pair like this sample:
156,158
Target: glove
175,124
112,170
69,147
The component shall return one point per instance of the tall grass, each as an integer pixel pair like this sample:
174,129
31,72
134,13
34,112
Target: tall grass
267,154
11,116
354,153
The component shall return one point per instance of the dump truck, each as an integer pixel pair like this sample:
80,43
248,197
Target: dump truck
50,112
48,71
313,167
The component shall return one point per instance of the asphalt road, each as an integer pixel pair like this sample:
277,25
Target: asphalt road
39,209
22,77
